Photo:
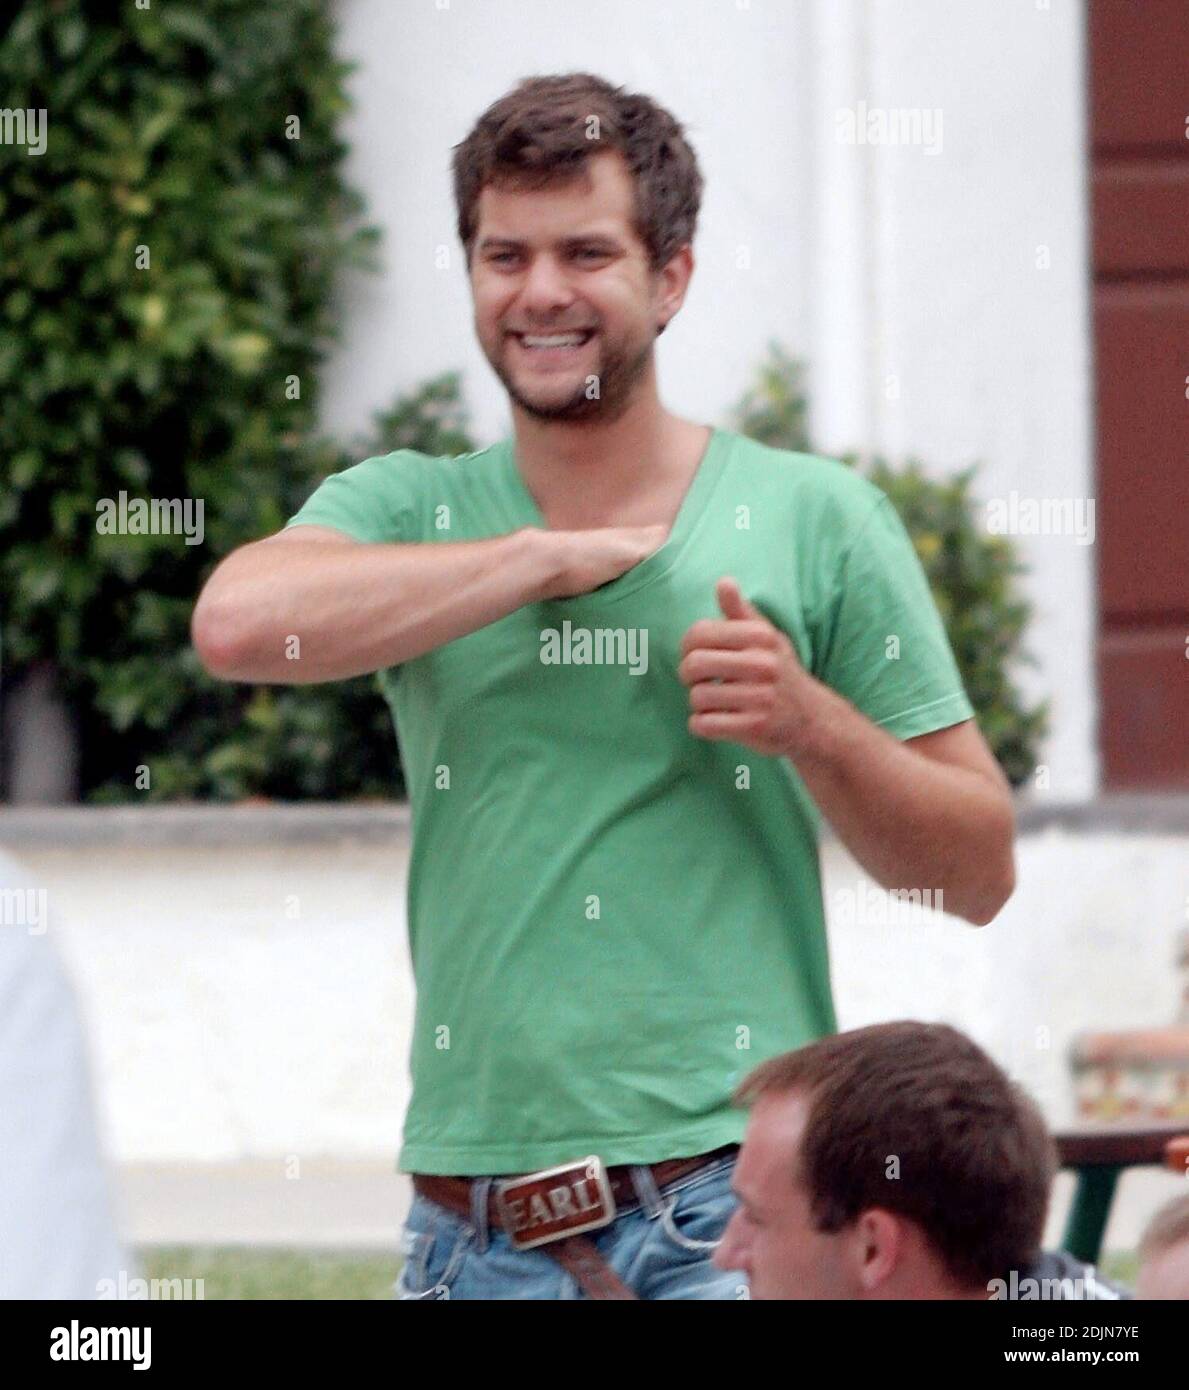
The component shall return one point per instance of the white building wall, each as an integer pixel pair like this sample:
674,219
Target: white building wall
961,267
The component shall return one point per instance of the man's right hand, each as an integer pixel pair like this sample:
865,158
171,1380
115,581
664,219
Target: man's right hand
580,561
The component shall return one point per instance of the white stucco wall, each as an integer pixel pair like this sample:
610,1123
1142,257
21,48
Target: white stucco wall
241,1003
910,281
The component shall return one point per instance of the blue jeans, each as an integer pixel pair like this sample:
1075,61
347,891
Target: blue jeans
660,1249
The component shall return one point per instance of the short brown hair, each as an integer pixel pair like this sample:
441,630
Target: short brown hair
1169,1227
975,1158
540,133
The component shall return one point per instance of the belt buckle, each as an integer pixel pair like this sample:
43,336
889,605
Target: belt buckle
556,1202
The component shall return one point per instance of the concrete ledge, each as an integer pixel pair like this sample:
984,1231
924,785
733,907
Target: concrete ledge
202,826
1136,813
212,825
334,1206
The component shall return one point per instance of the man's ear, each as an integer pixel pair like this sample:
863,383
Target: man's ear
679,271
877,1247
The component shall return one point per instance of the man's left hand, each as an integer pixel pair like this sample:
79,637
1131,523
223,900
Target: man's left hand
746,682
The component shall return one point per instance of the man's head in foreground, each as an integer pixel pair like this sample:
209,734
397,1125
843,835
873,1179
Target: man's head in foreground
891,1162
577,204
1164,1253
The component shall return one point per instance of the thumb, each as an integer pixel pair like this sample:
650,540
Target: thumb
731,601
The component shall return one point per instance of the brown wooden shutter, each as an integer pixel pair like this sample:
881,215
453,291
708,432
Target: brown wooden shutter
1139,104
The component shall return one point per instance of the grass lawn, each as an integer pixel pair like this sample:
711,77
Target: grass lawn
1121,1265
244,1272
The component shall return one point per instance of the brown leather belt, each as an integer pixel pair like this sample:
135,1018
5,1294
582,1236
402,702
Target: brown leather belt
539,1210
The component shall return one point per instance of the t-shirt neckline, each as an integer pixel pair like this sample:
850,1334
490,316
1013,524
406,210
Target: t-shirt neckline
690,512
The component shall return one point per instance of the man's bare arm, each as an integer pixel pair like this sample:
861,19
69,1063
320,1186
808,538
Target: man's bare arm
930,812
356,607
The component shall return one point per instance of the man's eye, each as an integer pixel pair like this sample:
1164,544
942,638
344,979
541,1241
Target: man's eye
503,257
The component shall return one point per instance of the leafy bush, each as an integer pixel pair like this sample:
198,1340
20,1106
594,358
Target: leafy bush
775,411
166,268
971,573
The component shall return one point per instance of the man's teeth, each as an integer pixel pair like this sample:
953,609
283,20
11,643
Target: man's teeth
559,340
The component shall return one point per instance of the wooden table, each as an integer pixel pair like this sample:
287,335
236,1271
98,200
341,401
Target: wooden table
1099,1155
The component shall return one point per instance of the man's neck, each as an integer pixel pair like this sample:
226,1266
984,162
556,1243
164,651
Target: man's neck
928,1282
631,471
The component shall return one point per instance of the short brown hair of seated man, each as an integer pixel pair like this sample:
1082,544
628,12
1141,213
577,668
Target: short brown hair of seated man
896,1161
1164,1253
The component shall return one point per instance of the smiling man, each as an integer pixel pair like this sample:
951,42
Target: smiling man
614,895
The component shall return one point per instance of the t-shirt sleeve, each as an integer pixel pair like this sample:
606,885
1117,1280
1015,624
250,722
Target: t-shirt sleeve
376,500
879,640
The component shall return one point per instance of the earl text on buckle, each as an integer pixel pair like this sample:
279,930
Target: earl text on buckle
557,1202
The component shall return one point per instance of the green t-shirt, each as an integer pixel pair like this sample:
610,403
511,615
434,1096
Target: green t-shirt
611,921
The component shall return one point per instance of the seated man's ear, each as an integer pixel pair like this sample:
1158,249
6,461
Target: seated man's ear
877,1245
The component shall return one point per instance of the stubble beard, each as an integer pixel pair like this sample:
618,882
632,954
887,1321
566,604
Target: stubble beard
617,372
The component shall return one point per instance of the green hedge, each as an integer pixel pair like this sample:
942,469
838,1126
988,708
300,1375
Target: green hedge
167,266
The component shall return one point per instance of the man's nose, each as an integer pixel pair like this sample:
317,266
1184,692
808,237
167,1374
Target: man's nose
546,289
